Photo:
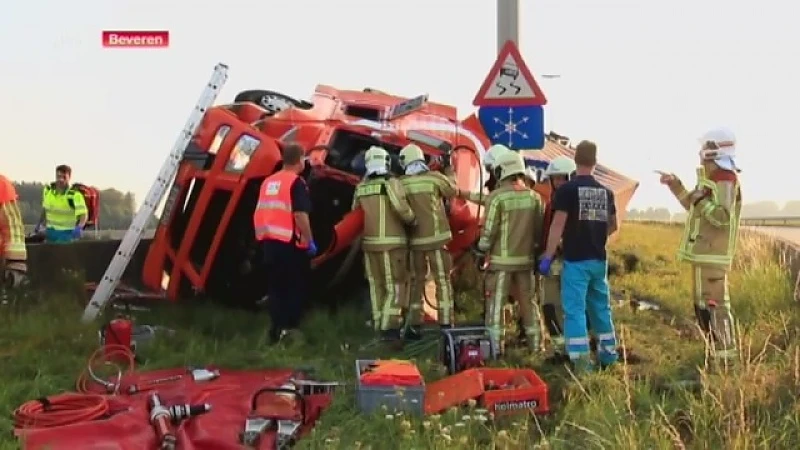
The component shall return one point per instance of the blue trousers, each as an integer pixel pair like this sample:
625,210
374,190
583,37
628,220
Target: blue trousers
584,292
58,236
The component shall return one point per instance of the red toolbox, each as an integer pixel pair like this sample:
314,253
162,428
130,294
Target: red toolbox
509,391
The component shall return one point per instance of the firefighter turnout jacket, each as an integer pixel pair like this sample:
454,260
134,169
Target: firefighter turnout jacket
426,192
12,230
712,226
513,228
387,213
273,218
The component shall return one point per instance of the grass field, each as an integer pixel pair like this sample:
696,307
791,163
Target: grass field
43,348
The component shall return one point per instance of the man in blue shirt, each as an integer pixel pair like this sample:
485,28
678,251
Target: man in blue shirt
584,217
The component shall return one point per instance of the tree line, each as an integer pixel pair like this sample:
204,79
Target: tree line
754,209
117,208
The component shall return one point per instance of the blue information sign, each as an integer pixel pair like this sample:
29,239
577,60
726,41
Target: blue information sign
516,127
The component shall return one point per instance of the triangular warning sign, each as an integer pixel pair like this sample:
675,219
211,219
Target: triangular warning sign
510,82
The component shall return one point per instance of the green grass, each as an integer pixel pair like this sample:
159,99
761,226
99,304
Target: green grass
43,348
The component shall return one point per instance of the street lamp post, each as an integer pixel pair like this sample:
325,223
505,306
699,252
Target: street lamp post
550,113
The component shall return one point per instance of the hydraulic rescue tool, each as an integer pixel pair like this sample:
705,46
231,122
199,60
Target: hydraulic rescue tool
283,411
160,418
186,411
198,375
466,348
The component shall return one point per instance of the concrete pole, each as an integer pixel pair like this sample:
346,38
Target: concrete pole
507,22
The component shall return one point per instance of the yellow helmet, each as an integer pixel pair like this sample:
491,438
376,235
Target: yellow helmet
562,165
490,158
411,153
376,160
509,164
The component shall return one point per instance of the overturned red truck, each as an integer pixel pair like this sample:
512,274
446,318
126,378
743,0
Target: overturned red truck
205,240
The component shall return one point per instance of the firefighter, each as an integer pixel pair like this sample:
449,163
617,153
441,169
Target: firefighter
13,254
710,235
558,172
64,211
282,226
584,215
387,215
427,190
510,237
489,160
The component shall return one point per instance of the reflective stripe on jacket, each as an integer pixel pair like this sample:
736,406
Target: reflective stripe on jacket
62,209
273,218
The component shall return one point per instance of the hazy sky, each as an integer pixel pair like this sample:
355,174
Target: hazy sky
643,78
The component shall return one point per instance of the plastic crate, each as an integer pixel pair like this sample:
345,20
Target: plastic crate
408,399
532,397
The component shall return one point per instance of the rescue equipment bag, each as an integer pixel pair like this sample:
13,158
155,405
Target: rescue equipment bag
91,195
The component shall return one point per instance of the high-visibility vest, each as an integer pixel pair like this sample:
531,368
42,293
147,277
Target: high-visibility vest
273,218
62,210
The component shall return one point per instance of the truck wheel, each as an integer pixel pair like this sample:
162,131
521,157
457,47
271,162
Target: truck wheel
272,101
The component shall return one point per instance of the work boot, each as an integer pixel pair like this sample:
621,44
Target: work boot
412,333
274,335
390,335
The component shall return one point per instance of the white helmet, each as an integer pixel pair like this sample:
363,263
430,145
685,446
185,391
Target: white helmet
562,165
490,158
719,145
509,164
377,161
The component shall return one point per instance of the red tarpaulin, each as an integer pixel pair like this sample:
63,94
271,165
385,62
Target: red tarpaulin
129,428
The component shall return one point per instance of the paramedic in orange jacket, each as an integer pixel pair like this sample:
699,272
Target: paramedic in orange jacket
12,235
282,225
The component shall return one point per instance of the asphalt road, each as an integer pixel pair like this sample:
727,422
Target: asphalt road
789,233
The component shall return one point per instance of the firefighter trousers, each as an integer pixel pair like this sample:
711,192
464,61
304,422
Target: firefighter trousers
386,273
712,307
499,283
553,311
584,290
440,263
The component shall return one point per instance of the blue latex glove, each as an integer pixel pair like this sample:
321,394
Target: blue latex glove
77,232
544,265
312,248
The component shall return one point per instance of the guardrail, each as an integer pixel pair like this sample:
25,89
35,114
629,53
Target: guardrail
746,221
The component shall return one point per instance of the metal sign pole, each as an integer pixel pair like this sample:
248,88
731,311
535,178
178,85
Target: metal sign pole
507,22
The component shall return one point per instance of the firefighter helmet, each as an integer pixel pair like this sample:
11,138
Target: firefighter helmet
377,161
719,145
490,158
411,153
562,165
509,164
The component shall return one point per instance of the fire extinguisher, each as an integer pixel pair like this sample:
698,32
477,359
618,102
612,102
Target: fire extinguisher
118,332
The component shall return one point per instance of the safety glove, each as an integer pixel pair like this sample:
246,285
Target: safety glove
312,248
544,265
77,232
